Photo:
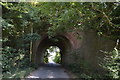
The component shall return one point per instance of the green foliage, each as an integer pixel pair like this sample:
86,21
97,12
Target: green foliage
15,63
46,54
57,58
13,59
18,73
112,63
72,16
17,21
31,37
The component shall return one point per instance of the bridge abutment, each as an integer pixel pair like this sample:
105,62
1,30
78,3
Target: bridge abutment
85,48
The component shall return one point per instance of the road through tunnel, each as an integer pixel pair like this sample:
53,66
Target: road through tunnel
60,41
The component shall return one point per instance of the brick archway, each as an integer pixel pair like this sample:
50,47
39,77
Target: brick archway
89,46
62,42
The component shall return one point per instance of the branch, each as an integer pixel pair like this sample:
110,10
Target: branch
104,14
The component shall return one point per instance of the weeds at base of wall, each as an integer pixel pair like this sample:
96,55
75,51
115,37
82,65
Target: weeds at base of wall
82,69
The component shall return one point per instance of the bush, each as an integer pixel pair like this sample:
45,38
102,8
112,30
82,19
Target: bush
13,59
112,64
57,58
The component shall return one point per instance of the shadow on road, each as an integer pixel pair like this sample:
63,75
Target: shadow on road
50,70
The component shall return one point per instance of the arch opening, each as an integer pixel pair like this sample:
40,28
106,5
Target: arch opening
52,55
62,43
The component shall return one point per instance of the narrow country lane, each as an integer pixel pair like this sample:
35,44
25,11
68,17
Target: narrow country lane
49,71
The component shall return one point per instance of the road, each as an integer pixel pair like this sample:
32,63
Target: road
49,71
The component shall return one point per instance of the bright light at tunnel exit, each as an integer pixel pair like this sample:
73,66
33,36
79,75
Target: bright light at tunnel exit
53,50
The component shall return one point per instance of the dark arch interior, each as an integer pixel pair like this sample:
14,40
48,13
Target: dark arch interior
60,41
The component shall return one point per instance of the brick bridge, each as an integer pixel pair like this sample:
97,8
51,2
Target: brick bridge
75,50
